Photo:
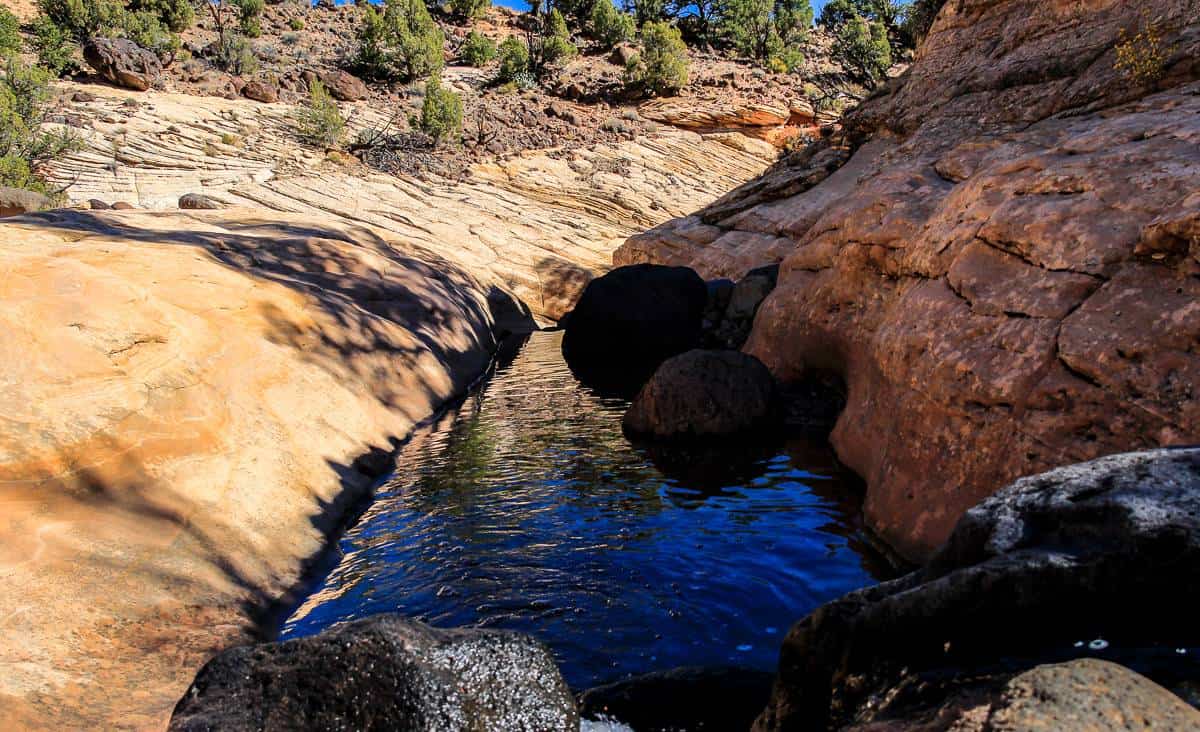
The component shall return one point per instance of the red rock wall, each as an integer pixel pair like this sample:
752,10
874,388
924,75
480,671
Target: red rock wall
1005,269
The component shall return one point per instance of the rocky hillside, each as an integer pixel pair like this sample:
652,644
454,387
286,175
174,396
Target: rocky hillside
999,257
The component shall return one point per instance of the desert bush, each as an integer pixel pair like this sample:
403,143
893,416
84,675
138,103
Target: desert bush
477,49
469,9
646,11
149,32
24,146
552,43
441,112
53,46
176,15
296,24
320,122
1142,57
81,19
10,32
609,25
234,53
514,58
249,16
661,67
770,31
402,42
861,46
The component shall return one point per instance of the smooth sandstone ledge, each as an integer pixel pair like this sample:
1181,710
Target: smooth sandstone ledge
539,224
189,402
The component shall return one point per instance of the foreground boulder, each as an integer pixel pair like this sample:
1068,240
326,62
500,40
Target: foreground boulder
1098,557
630,320
383,673
1085,695
16,201
703,394
998,257
123,62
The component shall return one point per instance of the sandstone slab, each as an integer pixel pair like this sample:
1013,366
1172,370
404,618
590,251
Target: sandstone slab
190,399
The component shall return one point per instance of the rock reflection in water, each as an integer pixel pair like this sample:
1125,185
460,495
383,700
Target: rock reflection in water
526,508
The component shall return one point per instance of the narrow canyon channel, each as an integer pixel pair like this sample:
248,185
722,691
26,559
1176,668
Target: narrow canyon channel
526,508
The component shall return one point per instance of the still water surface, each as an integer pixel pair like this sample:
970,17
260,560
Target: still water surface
526,508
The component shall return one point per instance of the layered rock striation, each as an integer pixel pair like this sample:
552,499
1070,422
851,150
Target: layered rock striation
999,256
538,225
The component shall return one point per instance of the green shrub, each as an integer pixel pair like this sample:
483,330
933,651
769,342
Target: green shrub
148,31
477,49
469,9
82,19
152,24
788,60
441,112
249,16
24,147
646,11
514,58
767,30
10,32
296,24
554,41
176,15
320,123
662,65
862,48
235,54
53,46
402,42
609,25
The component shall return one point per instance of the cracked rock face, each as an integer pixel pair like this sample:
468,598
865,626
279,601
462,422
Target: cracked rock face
1000,258
1108,549
383,673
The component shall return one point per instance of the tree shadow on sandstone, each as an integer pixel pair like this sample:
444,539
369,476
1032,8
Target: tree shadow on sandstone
405,327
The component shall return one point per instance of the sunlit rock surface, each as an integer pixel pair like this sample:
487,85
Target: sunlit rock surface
1000,257
191,400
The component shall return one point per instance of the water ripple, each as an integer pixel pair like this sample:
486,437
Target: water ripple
527,509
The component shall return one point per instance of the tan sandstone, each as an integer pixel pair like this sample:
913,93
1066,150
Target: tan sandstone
189,399
539,224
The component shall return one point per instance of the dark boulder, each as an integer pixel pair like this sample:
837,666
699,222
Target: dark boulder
123,206
17,201
630,320
123,62
341,85
382,673
1100,558
691,698
1083,695
261,91
730,327
703,394
199,201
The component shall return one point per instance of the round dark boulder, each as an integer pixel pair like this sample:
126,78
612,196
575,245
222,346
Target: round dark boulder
123,62
703,394
630,320
199,201
382,673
